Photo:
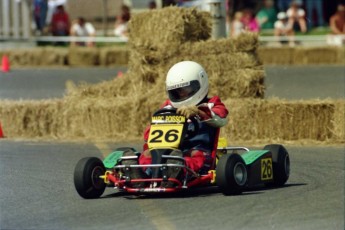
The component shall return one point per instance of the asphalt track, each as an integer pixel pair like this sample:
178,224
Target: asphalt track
37,191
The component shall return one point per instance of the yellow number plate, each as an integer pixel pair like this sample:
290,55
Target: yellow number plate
165,135
266,169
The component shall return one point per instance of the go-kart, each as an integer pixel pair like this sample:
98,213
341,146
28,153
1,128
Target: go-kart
233,170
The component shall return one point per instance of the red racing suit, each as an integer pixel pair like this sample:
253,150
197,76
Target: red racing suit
202,143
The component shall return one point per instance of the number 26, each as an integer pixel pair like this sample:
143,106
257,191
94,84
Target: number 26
158,136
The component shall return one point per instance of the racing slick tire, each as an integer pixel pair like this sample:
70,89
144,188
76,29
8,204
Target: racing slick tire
281,164
231,174
87,179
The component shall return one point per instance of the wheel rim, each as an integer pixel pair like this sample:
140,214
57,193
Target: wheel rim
287,165
240,174
96,180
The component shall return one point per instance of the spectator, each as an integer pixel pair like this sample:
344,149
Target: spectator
121,24
296,16
249,21
52,5
267,15
318,6
81,28
337,20
40,14
337,25
60,22
152,5
283,30
236,26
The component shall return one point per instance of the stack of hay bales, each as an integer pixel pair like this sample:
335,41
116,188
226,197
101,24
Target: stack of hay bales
158,40
121,108
173,35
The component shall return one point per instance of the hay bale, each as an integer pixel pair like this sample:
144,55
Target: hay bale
53,56
95,118
301,55
31,119
338,121
114,56
341,55
83,56
46,56
288,120
129,83
315,55
276,55
25,57
246,42
240,83
208,47
109,119
179,25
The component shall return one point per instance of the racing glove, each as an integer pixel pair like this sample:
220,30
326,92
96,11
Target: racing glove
188,111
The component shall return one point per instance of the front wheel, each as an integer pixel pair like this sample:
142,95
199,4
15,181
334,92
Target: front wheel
87,179
281,164
231,174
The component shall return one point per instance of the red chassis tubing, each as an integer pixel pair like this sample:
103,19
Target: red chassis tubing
201,180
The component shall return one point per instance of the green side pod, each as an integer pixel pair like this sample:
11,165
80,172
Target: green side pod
251,156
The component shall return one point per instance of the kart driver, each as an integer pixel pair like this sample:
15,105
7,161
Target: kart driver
187,88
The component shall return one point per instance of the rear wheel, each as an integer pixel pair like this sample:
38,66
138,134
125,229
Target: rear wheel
281,164
87,179
231,174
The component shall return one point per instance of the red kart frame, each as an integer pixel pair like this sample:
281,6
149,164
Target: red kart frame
122,184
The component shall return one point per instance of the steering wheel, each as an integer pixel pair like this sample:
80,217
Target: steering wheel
168,110
172,111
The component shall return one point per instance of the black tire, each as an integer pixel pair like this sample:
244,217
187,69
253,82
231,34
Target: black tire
281,164
86,177
231,174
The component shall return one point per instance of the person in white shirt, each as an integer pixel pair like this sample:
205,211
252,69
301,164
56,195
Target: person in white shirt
283,31
236,26
81,28
297,15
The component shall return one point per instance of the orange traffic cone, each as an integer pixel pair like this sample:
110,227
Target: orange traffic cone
5,64
1,133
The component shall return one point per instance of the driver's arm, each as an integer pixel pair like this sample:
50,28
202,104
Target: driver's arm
214,112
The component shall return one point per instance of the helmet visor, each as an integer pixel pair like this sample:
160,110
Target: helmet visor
178,94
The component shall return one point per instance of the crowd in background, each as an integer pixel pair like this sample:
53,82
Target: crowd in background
282,18
286,17
52,18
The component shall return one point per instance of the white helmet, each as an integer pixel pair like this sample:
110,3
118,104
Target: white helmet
186,84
